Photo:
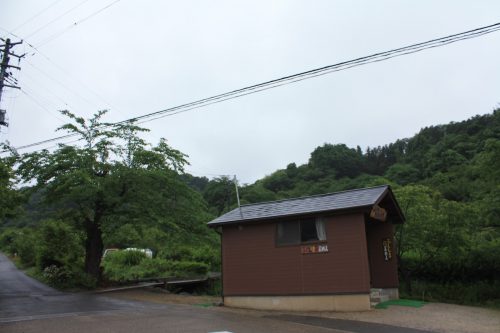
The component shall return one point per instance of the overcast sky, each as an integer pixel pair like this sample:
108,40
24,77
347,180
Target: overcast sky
137,57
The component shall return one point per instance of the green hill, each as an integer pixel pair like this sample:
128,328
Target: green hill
447,180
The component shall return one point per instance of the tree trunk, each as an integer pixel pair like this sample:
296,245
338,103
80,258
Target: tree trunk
93,250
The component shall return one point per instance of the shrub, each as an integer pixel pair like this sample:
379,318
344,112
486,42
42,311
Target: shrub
176,253
126,258
477,293
21,243
7,240
124,266
187,268
56,276
26,247
58,244
204,254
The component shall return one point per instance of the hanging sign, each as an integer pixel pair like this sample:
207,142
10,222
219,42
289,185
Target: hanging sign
317,248
378,213
387,245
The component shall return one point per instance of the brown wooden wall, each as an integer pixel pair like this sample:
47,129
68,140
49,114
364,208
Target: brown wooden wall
254,265
384,274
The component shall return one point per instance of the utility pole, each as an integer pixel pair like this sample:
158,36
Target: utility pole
5,74
237,194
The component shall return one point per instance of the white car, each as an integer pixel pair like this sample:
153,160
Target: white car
147,252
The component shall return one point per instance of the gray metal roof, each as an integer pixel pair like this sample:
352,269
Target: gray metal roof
305,205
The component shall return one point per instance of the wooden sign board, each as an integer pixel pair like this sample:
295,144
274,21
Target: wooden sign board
316,248
378,213
387,245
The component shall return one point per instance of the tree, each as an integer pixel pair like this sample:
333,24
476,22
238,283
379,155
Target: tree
10,198
112,179
220,193
278,181
434,228
402,174
343,161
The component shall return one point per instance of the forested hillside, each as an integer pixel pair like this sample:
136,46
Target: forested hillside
117,191
447,180
459,160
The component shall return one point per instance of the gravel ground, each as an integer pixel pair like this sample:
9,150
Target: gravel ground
437,317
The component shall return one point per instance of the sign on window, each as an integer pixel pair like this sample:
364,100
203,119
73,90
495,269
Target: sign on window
317,248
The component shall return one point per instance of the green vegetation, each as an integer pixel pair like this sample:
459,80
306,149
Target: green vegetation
115,190
122,266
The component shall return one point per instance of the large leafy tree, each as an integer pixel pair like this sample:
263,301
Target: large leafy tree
112,178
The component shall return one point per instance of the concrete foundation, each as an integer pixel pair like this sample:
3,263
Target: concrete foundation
379,295
358,302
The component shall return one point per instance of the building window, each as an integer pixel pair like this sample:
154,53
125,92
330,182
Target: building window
300,231
288,233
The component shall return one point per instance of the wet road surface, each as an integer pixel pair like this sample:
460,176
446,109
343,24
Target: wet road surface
29,306
22,297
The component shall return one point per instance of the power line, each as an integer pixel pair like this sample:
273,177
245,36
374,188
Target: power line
377,57
321,71
382,56
71,77
36,15
37,102
44,86
64,86
58,34
55,19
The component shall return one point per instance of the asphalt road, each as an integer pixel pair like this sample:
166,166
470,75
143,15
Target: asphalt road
22,298
28,306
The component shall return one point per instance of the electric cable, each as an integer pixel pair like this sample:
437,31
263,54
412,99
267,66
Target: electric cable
36,15
55,19
37,102
377,57
58,34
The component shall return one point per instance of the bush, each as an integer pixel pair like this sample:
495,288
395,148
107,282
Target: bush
26,247
124,266
21,243
204,254
65,277
478,293
7,240
56,275
58,245
126,258
187,268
